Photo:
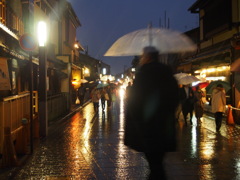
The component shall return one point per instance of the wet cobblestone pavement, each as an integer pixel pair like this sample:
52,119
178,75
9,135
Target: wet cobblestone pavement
84,146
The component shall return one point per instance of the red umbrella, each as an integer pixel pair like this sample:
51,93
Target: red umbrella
201,85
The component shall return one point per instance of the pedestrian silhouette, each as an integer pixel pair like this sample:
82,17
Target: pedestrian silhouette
95,95
198,104
150,112
128,89
187,101
81,93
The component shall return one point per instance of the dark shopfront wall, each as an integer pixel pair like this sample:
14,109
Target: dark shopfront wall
18,69
18,77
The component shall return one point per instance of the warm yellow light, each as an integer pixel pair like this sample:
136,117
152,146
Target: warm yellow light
197,71
76,46
211,70
86,71
222,78
42,33
75,82
225,67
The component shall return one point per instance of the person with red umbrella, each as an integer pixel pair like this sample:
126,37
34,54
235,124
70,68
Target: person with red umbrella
201,85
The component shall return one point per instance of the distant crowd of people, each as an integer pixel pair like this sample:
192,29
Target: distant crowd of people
105,95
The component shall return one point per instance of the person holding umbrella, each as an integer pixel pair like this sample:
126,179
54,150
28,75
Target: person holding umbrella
153,99
218,105
198,104
187,101
81,93
95,95
150,112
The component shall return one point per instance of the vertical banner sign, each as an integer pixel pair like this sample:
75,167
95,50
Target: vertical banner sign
4,75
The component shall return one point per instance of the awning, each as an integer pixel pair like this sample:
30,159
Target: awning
216,59
8,31
211,53
61,74
59,63
186,67
5,51
76,67
220,56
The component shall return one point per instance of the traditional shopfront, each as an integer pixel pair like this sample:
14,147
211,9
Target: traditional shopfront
212,66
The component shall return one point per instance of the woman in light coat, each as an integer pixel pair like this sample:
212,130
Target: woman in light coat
218,105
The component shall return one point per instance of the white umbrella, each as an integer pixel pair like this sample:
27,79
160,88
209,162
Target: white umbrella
180,75
164,40
84,81
187,80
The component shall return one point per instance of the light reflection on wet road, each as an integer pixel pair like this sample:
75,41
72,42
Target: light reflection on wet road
207,154
84,147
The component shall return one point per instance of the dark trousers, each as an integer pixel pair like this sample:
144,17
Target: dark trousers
155,162
103,103
95,104
81,98
187,107
218,120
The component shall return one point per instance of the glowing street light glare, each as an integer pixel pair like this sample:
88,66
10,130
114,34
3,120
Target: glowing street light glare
121,92
42,33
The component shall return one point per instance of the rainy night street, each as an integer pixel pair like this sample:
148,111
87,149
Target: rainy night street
88,146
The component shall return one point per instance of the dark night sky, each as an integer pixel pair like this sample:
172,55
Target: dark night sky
104,21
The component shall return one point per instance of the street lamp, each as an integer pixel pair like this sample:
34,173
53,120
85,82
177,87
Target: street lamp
42,33
43,117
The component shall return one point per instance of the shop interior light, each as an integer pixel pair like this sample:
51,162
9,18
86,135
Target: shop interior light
211,69
197,71
104,70
222,78
86,71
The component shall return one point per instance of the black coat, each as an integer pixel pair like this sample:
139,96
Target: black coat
187,102
150,111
